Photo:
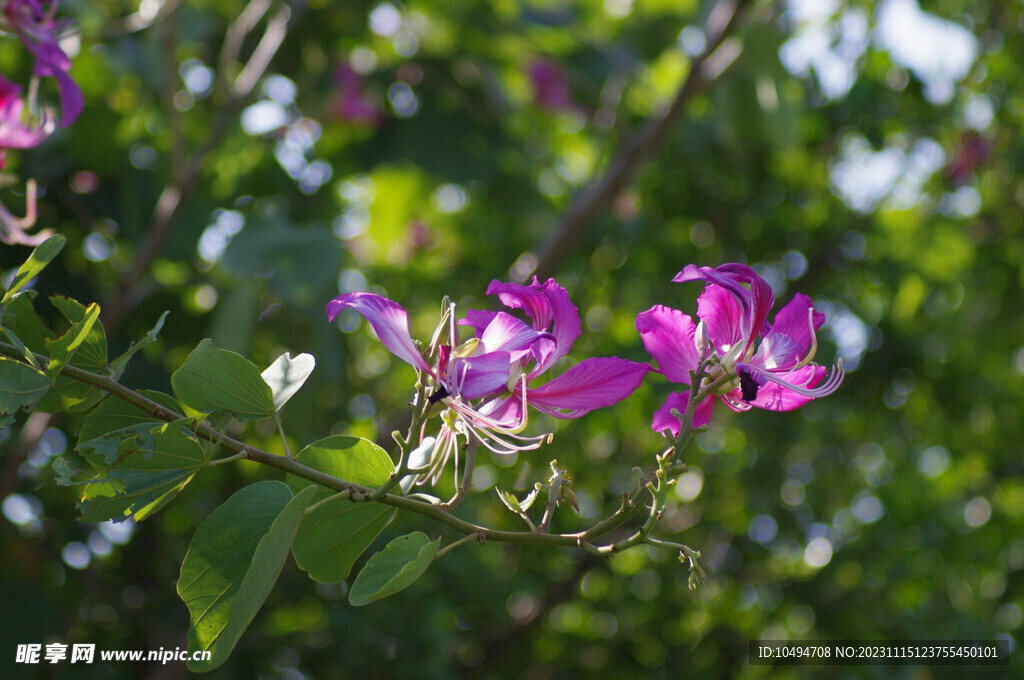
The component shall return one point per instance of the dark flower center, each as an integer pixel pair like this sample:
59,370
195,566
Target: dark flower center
748,386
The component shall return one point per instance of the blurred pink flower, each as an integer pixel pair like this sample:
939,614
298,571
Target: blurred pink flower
38,31
550,89
352,104
17,130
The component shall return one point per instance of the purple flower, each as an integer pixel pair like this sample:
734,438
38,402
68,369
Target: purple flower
352,104
38,31
593,383
550,89
776,374
483,384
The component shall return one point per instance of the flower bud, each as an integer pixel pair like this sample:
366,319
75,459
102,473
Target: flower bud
701,340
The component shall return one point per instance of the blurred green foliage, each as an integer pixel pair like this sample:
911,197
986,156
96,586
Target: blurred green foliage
891,510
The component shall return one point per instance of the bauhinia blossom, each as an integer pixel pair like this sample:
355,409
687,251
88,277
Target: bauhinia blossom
39,32
483,385
775,374
17,130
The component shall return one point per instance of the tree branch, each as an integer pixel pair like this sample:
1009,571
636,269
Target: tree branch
234,92
356,492
592,200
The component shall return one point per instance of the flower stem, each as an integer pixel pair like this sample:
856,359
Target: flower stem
455,544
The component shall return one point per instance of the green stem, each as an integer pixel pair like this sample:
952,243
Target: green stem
330,499
467,478
291,466
456,544
224,461
284,438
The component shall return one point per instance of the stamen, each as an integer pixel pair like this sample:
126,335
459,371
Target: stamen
814,342
823,390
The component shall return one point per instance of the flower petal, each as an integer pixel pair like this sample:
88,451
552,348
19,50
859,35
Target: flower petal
790,338
477,376
506,333
506,412
477,319
590,384
664,420
547,305
755,301
718,308
389,321
668,335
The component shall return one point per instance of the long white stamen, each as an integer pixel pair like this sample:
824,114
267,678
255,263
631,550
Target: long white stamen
814,342
823,390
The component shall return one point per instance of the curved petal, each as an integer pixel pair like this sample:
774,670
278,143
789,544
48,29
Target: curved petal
590,384
506,412
506,333
755,301
791,336
718,308
668,335
478,376
71,100
664,420
477,319
547,305
389,321
774,397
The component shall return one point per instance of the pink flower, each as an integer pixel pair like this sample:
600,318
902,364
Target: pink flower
38,31
550,89
16,130
593,383
352,104
776,374
483,384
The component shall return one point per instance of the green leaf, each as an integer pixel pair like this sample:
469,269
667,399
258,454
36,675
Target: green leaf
214,378
140,469
336,533
20,316
233,562
394,568
36,262
114,414
118,365
286,375
25,351
90,355
63,348
20,385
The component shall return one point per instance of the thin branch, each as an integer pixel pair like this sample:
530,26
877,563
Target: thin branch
593,200
234,93
479,538
356,492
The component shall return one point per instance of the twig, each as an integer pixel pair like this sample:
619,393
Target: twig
357,493
467,478
592,200
234,92
480,538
